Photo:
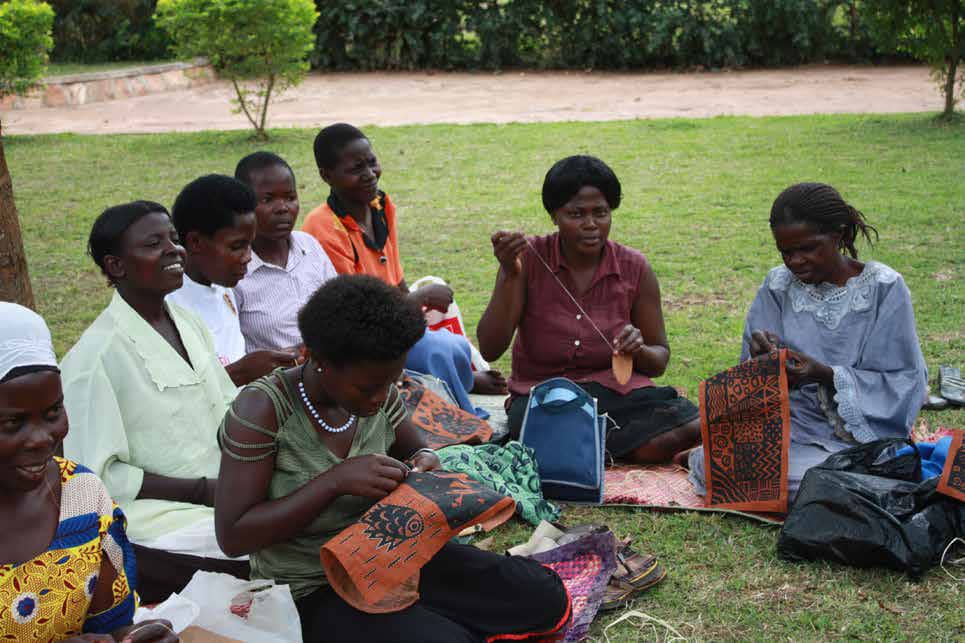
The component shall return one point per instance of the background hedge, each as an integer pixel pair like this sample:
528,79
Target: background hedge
88,31
474,34
588,34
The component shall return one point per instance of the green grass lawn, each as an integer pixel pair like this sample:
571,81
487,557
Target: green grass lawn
696,199
65,69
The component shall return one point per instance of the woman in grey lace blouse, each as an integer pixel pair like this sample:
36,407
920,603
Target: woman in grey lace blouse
855,366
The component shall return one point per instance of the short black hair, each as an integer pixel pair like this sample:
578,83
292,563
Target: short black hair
210,203
822,207
257,161
330,141
359,318
568,176
106,232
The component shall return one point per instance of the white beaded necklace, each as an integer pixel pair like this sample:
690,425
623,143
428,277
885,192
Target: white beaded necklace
314,412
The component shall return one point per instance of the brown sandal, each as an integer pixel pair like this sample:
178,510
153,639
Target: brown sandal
619,592
635,573
632,566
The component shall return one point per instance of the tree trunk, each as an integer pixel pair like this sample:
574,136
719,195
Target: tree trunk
952,60
950,87
243,104
264,107
852,20
14,280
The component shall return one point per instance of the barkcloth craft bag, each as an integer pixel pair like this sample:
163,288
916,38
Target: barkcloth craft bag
374,564
745,425
952,480
568,437
440,422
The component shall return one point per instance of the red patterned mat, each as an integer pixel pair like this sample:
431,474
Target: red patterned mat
745,426
663,487
952,482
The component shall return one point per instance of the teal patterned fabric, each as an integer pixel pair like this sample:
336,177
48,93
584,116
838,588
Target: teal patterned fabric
509,470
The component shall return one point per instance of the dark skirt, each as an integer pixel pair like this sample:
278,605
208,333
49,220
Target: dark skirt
465,594
640,415
161,573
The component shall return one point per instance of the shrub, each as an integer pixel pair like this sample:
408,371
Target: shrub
691,34
261,46
930,30
24,42
389,34
105,30
581,34
789,32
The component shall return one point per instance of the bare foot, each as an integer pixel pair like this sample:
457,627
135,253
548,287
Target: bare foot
667,446
489,383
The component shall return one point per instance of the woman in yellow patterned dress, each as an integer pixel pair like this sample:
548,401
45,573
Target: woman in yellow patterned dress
66,566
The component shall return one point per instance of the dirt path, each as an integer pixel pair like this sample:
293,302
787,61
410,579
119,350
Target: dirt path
406,98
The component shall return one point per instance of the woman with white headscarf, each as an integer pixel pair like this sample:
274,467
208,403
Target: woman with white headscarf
68,568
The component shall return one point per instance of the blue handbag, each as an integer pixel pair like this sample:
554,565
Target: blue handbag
568,437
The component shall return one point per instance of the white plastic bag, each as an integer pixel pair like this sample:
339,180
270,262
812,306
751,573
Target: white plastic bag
177,609
256,610
451,320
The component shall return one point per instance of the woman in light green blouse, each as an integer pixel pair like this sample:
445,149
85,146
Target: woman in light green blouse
145,393
308,450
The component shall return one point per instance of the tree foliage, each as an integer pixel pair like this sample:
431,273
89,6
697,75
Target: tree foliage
389,34
89,31
261,46
25,41
930,30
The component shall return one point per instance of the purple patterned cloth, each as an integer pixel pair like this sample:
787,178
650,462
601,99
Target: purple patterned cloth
585,566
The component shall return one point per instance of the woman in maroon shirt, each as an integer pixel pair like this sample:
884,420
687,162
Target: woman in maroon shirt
616,287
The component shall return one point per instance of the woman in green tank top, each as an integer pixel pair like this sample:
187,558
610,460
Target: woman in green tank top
307,450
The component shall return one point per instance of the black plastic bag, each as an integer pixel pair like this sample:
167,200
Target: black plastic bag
865,507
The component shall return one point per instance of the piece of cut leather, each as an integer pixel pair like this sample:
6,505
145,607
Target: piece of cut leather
622,367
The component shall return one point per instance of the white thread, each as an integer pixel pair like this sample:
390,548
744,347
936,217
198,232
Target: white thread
953,562
646,619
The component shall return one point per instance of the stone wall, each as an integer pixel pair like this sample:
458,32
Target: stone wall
92,87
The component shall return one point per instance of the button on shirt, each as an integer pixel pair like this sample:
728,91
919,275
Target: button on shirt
269,297
555,339
217,307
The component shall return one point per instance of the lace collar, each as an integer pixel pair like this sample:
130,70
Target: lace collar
829,303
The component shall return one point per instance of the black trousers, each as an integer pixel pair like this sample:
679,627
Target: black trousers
466,594
642,414
161,573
